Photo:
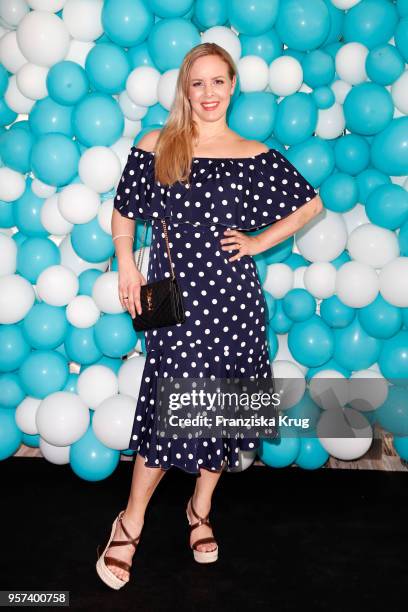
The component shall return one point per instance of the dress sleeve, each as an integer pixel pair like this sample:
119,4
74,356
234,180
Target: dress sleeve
134,189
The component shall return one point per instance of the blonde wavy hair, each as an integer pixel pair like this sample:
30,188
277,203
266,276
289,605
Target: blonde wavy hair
175,142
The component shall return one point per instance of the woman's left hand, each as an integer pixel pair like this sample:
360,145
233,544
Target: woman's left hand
246,245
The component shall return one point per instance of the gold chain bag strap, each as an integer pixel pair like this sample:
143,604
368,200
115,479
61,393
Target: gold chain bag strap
161,301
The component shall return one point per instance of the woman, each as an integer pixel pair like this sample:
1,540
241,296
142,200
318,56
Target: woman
214,182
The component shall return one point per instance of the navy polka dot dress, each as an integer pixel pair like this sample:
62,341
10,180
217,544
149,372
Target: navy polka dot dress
225,329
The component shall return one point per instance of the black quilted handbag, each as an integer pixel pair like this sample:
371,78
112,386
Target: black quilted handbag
161,301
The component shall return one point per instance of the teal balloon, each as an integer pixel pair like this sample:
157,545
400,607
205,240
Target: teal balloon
54,159
139,56
169,40
211,13
335,313
114,334
311,455
402,8
90,459
156,115
81,346
393,358
35,255
311,342
389,150
352,154
31,440
295,260
43,372
354,349
268,46
91,242
305,408
7,115
14,347
368,109
27,213
273,345
128,22
47,117
11,392
296,118
87,280
15,149
387,206
298,304
252,18
98,120
4,78
176,8
392,415
279,454
330,364
384,64
67,83
270,304
303,24
10,434
368,180
400,444
45,326
380,319
318,68
261,266
370,22
336,17
72,383
253,115
107,67
279,252
314,158
339,192
280,322
323,97
403,239
6,214
110,362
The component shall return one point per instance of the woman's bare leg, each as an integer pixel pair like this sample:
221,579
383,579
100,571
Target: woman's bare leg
144,483
205,485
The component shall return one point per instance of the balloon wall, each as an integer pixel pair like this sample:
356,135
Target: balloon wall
323,81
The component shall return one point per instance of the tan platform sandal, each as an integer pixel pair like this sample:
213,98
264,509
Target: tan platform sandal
201,556
103,570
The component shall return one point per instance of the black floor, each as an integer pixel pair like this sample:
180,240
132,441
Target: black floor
289,539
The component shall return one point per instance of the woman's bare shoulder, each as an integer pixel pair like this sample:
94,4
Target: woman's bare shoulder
254,147
149,140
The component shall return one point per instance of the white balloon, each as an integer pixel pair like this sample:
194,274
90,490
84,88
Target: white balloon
225,38
16,298
105,293
253,73
320,279
355,217
285,75
96,384
43,38
52,219
329,389
130,375
31,81
58,455
78,51
25,415
166,88
350,63
99,168
42,190
340,89
279,280
368,390
244,461
82,312
19,103
83,19
78,203
113,421
330,122
122,149
373,245
394,282
12,11
62,418
344,4
56,285
71,260
8,259
10,53
357,284
12,184
47,5
323,238
289,383
344,433
131,128
142,84
133,111
399,93
105,215
299,277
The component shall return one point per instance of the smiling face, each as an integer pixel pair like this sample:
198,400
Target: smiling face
210,83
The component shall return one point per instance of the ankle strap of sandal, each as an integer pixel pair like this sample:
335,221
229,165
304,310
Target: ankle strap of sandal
202,520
